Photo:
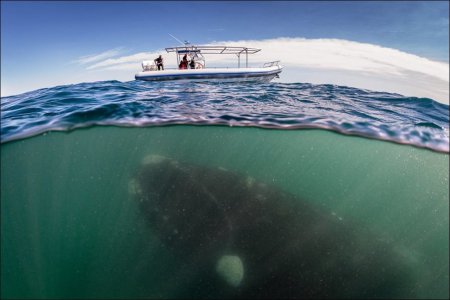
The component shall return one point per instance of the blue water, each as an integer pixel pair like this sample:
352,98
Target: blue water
314,190
419,122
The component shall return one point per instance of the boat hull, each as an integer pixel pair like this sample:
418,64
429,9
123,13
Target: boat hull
219,74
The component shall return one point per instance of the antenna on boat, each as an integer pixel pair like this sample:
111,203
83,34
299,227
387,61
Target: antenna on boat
184,44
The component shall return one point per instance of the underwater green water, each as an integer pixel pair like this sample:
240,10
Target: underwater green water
70,229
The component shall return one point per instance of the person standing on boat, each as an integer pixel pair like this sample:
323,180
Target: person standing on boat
192,64
159,62
184,62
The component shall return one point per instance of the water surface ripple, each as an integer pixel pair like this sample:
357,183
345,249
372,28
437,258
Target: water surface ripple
419,122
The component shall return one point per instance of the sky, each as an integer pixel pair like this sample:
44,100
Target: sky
391,46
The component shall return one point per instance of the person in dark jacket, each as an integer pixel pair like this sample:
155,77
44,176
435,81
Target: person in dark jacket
159,63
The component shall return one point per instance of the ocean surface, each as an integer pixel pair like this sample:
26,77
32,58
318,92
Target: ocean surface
330,184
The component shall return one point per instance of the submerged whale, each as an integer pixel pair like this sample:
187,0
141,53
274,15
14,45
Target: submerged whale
248,239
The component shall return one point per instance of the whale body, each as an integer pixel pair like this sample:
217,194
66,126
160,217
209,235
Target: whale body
248,239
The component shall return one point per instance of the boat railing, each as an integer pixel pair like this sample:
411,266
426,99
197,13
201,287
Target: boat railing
271,64
155,69
266,65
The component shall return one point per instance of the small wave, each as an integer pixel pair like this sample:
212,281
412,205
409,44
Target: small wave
429,124
421,122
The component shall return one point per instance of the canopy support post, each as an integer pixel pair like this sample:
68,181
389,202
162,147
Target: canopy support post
246,58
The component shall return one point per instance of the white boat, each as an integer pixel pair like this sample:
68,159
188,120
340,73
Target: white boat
200,72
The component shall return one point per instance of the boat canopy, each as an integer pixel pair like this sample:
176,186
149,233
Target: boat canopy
200,50
213,49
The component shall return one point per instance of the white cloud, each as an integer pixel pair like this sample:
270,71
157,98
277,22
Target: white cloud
344,55
96,57
134,58
131,66
325,61
316,61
